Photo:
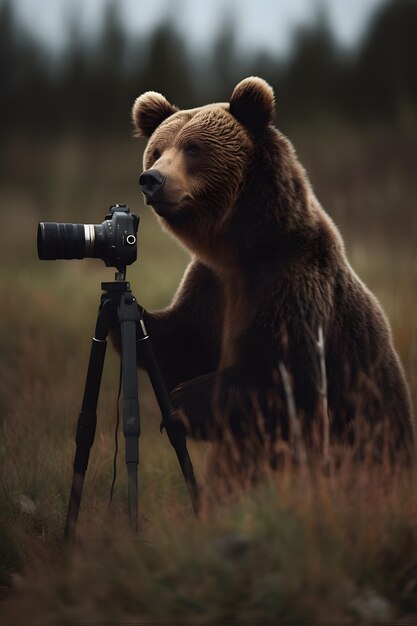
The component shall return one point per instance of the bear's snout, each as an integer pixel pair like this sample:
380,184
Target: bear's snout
151,182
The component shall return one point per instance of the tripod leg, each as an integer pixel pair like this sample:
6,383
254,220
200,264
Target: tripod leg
87,421
175,434
128,317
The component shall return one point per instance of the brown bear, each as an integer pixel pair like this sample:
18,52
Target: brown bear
270,330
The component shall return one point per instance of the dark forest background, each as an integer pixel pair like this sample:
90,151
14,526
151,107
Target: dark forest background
91,84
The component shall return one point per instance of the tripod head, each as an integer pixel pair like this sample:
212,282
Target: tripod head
120,275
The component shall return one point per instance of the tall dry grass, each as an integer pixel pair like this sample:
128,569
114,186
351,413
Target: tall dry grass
303,547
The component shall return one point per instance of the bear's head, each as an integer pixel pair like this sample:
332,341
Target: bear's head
205,166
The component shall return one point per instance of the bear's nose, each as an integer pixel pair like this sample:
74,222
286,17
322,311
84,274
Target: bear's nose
151,181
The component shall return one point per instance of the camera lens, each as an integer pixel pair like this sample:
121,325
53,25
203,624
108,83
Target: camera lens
62,241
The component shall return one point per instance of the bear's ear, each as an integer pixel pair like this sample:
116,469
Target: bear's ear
150,110
253,103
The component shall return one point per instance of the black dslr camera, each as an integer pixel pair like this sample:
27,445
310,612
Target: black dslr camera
113,241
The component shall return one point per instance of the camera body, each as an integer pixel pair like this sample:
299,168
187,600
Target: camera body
114,241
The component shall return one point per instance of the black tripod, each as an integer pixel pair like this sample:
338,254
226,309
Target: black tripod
118,303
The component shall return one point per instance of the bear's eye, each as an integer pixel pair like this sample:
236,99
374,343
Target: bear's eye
156,154
192,149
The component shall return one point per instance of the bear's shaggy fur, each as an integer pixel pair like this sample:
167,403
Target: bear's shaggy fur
269,272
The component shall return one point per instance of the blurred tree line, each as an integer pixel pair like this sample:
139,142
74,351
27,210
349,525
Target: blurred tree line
90,86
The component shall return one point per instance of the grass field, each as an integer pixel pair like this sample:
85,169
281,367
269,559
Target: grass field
302,548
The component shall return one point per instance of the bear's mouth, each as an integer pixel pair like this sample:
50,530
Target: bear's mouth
169,209
162,208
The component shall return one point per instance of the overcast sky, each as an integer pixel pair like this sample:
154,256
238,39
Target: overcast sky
260,23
